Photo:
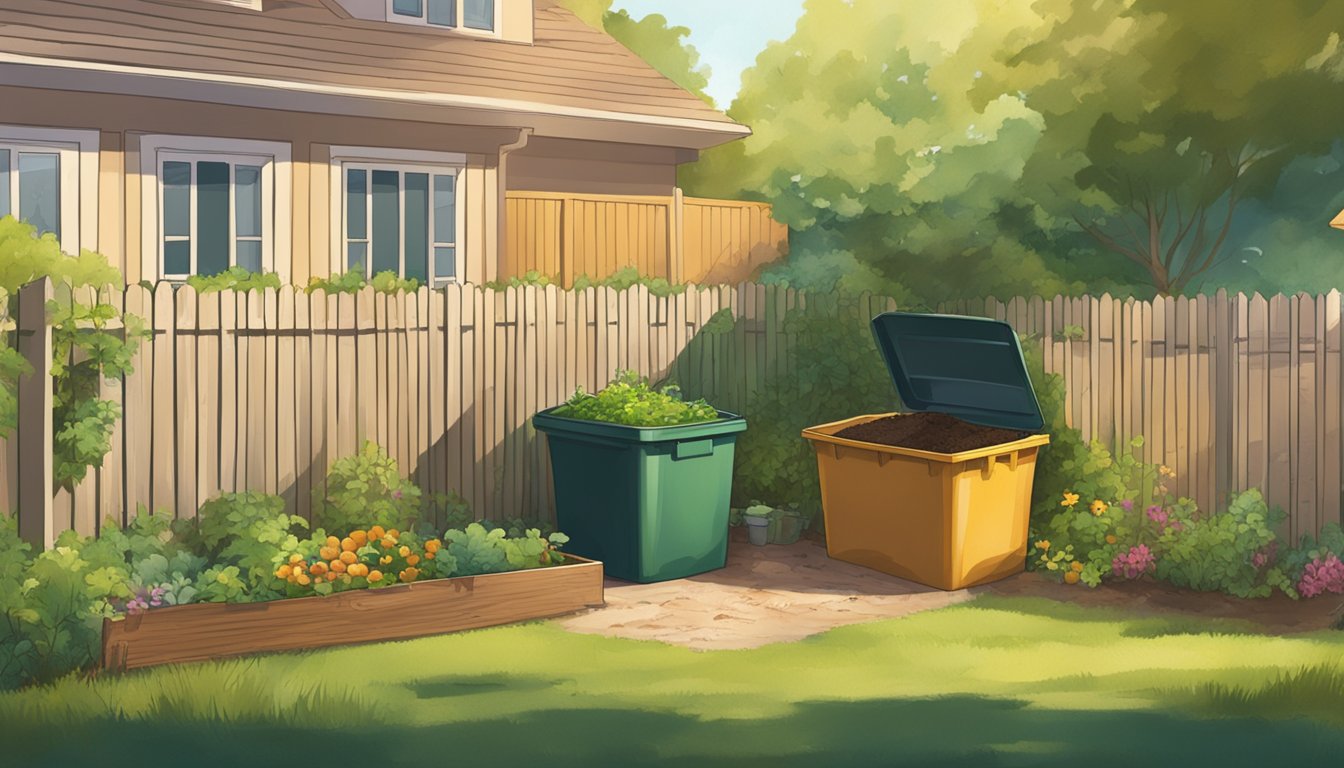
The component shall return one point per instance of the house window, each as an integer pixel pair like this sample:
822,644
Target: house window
212,203
216,213
48,178
401,219
461,14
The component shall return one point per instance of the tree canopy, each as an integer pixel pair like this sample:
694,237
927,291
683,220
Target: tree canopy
652,39
1033,146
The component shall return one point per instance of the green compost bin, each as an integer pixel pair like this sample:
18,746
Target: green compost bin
650,502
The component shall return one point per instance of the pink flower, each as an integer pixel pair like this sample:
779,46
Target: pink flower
1321,576
1134,563
1158,515
1128,504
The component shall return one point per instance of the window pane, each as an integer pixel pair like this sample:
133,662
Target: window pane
443,12
357,257
212,218
356,205
417,226
176,199
407,7
177,257
40,191
445,209
479,14
4,182
247,200
386,222
249,255
445,262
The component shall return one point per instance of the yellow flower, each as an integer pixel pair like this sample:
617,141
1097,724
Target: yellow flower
1166,471
1076,566
1069,499
1110,539
375,576
1098,507
404,551
1043,544
385,559
1052,565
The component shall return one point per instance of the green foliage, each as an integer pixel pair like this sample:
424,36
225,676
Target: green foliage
650,38
627,277
1214,553
249,530
479,550
87,344
353,281
234,278
364,490
630,400
12,366
838,373
531,277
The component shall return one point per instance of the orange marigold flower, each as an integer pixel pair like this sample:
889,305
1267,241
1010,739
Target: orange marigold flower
377,532
1098,507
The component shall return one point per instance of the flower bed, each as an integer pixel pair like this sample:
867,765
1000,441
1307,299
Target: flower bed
220,630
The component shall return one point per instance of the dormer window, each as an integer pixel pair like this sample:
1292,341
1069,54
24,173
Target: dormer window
477,15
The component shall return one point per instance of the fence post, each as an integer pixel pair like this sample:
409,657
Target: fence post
566,259
36,468
675,254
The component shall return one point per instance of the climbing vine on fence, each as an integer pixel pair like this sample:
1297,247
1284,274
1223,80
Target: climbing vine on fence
91,340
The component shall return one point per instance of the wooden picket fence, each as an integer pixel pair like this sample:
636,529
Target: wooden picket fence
264,390
1231,391
681,239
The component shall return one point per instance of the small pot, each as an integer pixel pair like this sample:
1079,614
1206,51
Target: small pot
758,529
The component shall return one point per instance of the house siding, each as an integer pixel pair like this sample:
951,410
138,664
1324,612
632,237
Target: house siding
592,167
122,120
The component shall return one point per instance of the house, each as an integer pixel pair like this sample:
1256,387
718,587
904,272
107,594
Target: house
304,137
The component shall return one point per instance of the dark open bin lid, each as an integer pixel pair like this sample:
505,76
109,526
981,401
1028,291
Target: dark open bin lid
969,367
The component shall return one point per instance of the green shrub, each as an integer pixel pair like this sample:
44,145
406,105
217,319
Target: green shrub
1215,553
627,277
478,550
86,345
838,373
234,278
248,530
630,400
364,490
353,281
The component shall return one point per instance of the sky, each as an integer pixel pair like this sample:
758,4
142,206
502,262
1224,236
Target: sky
727,33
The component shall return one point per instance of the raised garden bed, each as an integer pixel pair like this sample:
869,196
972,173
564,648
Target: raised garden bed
204,631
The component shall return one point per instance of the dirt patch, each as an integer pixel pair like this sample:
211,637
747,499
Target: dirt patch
771,594
936,432
1277,614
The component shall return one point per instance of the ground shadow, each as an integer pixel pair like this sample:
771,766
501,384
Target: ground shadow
956,730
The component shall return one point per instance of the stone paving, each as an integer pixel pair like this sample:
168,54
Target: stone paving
770,594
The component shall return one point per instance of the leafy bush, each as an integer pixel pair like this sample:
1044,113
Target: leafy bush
838,373
234,278
630,400
354,281
629,276
363,490
86,344
248,531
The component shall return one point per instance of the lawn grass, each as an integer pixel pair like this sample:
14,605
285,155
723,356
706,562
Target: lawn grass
994,682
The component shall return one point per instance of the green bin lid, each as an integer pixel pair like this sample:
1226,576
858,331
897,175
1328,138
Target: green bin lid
969,367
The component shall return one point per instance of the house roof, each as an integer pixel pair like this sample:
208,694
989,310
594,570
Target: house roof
572,81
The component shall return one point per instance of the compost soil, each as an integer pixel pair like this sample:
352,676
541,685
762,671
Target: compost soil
936,432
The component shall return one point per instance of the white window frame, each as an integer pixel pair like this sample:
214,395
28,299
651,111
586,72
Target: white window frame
372,159
78,157
267,204
276,202
423,19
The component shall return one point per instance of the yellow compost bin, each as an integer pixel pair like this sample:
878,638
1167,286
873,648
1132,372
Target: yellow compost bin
948,520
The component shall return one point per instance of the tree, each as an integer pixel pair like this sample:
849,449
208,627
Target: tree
1165,116
868,143
650,38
